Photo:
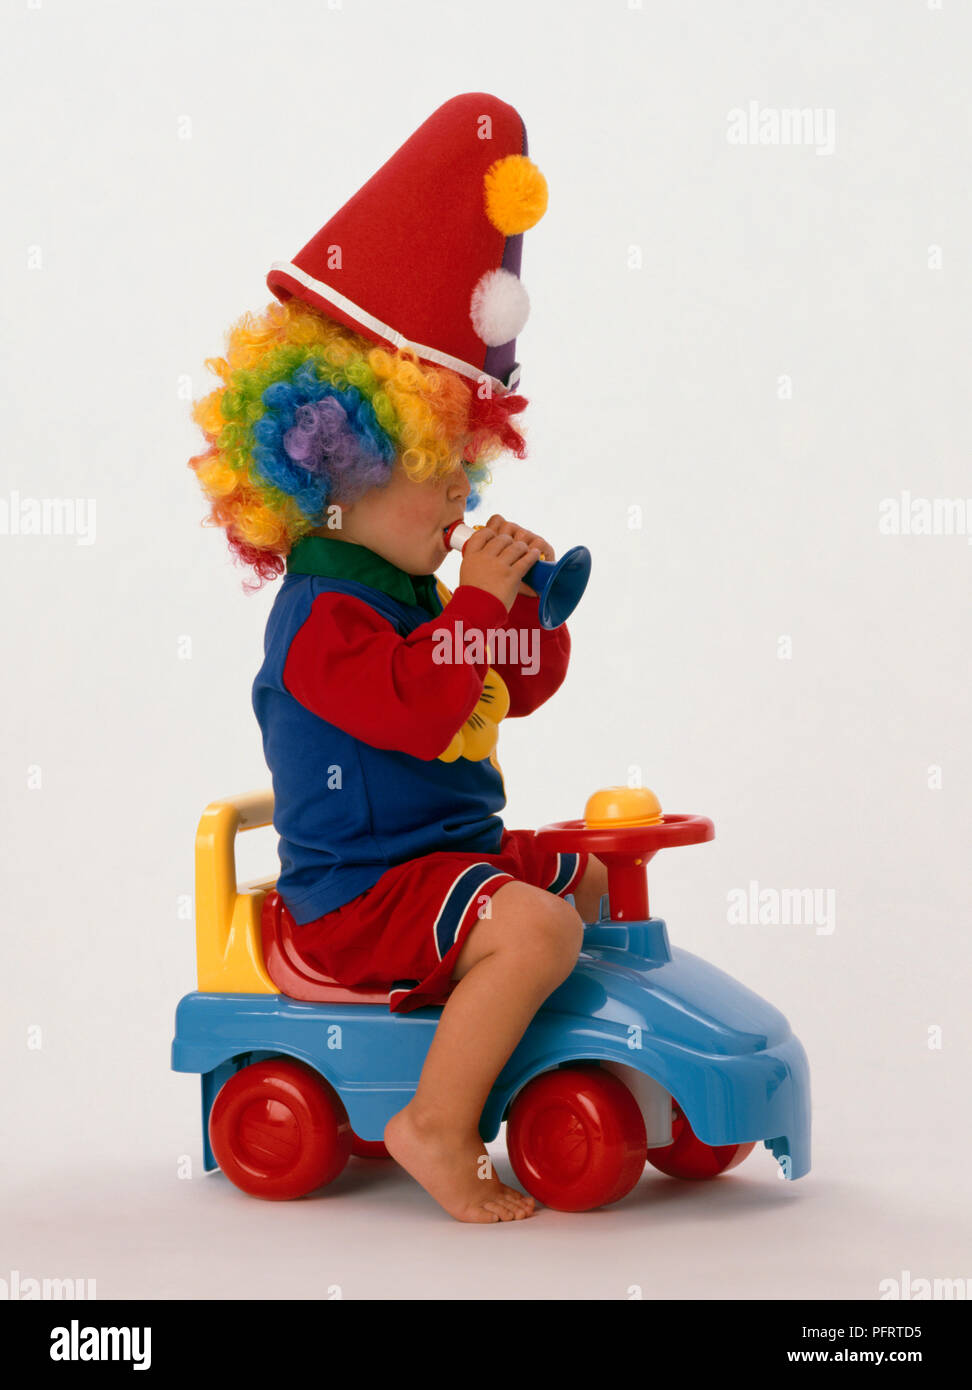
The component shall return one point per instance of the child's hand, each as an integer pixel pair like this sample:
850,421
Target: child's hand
500,526
497,557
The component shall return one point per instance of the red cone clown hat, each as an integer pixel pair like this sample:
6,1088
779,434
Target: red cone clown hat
426,255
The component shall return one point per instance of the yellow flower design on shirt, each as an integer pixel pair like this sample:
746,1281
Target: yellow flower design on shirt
478,737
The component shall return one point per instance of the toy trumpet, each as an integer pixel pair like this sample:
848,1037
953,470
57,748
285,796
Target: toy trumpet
559,584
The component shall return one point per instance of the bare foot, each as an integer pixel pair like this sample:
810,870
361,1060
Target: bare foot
455,1170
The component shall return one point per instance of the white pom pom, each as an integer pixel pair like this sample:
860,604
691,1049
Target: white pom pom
499,308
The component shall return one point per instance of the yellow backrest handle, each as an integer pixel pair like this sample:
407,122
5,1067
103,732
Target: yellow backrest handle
229,953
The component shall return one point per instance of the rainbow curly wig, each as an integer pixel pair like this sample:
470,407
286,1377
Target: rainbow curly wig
311,413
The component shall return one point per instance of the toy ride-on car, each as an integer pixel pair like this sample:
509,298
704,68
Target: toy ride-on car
644,1053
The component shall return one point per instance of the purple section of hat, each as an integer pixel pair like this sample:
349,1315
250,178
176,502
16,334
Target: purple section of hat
501,360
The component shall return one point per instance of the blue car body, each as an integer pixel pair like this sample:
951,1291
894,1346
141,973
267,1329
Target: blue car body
729,1058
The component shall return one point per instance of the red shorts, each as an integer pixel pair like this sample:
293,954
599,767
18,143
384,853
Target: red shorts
404,933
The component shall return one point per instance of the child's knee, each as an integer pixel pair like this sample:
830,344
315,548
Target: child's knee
544,926
538,933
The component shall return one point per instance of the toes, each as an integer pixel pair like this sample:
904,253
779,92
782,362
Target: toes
508,1210
520,1198
500,1210
522,1210
514,1202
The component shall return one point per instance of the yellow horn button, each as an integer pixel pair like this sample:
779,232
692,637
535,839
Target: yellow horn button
618,806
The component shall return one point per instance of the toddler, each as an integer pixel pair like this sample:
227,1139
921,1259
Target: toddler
340,450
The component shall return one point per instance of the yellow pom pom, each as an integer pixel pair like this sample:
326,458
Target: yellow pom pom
516,194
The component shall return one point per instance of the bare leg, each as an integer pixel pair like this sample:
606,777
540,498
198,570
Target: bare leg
509,964
587,894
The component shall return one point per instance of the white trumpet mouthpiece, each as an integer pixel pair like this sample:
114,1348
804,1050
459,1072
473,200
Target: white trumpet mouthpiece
458,533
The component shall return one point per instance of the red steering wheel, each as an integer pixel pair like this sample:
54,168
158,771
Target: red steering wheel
626,851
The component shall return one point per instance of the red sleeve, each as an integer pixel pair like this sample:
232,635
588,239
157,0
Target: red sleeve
548,649
348,665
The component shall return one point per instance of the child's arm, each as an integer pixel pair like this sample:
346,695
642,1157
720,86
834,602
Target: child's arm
348,665
545,649
533,663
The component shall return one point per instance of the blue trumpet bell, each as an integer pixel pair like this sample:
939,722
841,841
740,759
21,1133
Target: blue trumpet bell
560,584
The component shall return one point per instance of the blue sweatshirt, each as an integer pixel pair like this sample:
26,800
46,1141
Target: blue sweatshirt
356,715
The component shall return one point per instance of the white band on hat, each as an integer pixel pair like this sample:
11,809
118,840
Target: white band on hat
384,330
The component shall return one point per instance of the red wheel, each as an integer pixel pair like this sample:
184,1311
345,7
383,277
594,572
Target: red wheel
278,1130
576,1138
368,1148
687,1157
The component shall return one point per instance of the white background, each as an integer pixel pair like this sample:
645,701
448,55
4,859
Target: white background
128,248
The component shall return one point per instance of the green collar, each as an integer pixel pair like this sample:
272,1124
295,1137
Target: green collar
334,559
